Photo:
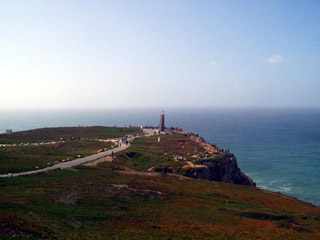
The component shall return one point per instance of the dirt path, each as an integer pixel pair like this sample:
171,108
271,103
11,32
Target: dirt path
100,160
135,172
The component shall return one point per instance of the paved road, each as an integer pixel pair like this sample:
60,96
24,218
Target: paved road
148,132
73,162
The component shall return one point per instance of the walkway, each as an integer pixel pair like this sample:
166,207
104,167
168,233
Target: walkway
73,162
148,132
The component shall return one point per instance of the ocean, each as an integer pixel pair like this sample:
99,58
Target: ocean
278,148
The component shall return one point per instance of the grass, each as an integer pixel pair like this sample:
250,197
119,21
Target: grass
93,206
146,153
217,157
54,134
24,158
102,202
19,158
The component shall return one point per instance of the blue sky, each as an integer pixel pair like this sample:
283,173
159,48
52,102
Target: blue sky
119,54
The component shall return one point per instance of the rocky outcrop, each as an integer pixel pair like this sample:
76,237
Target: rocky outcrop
222,170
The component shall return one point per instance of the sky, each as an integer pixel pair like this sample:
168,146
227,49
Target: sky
122,54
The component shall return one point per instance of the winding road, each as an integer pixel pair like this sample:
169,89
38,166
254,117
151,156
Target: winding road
148,132
72,163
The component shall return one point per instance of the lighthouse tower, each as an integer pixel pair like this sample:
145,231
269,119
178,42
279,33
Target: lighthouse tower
161,126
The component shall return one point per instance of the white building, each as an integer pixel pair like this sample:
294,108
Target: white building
9,131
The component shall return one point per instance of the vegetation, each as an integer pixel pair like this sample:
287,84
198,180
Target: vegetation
113,201
104,203
148,152
55,134
217,157
17,157
170,154
25,158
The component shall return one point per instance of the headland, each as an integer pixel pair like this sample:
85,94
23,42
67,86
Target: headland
160,184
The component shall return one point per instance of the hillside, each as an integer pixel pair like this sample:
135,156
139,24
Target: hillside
186,154
149,192
39,148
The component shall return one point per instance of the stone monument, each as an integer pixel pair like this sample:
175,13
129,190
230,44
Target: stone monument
161,126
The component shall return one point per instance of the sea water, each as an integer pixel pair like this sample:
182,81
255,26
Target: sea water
278,148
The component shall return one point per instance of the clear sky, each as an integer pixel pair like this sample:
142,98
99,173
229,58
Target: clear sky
96,54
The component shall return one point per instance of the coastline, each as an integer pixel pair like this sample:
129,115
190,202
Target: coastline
152,186
249,156
222,168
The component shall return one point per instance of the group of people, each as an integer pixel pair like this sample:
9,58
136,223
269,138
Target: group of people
225,151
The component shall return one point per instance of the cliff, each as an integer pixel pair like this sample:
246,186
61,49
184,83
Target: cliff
186,154
223,170
129,197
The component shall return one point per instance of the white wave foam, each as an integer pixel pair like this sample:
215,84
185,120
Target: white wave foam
286,188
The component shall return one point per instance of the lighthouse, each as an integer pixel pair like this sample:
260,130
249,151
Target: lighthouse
161,125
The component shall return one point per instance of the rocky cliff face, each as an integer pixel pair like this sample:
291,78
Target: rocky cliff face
223,170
